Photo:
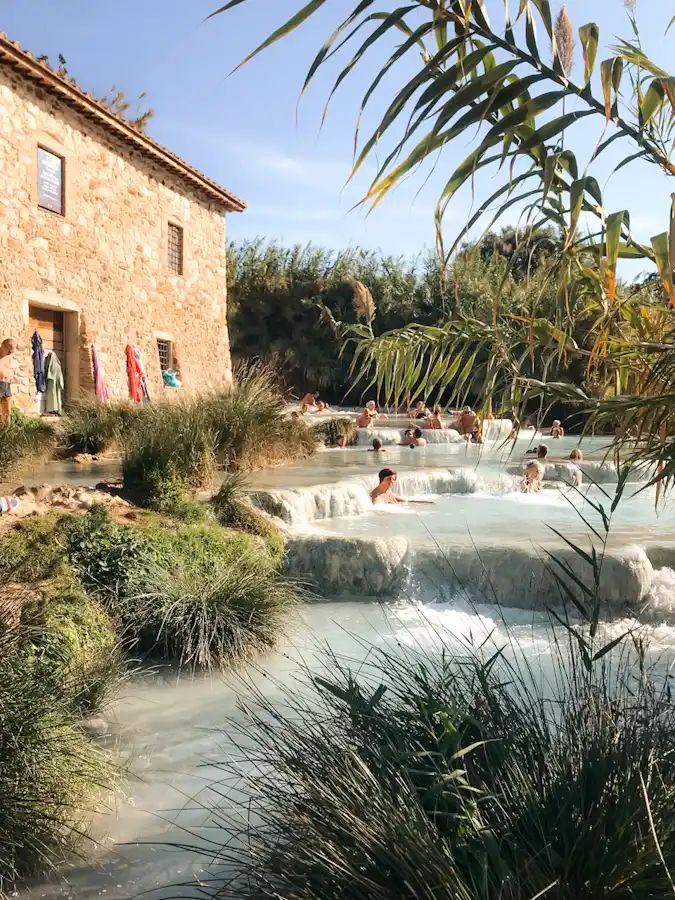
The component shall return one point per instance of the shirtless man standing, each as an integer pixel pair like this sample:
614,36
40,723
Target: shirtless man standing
7,349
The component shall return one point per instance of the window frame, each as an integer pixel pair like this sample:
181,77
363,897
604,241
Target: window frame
169,257
169,354
62,212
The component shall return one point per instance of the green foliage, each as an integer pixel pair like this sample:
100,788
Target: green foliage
339,426
94,427
460,775
232,511
206,597
50,773
105,557
168,453
35,549
174,449
286,305
70,642
24,442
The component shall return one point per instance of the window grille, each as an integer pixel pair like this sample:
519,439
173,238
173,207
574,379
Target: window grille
165,353
175,248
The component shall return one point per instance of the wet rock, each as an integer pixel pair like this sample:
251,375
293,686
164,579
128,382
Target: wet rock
96,726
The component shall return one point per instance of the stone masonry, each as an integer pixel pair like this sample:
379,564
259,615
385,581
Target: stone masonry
104,262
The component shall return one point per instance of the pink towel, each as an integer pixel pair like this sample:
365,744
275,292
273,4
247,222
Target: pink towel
99,376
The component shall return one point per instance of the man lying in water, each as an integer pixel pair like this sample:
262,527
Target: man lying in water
383,493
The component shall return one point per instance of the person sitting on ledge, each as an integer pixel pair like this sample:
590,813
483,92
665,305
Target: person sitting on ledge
371,406
436,422
377,447
383,493
364,419
557,431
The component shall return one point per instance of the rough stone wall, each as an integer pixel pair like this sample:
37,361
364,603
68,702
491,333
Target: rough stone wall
105,260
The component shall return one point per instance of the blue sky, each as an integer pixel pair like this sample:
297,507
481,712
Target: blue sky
242,130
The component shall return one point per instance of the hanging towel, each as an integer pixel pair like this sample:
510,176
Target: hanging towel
135,389
141,371
55,385
99,376
38,363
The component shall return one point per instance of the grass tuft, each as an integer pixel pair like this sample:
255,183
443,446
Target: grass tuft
461,775
339,426
50,772
24,443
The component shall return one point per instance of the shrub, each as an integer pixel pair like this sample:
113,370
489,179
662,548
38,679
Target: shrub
232,511
89,426
207,598
35,549
168,453
454,777
105,557
24,443
251,425
339,426
50,773
70,642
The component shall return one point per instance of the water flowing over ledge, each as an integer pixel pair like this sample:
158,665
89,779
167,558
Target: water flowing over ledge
351,497
514,576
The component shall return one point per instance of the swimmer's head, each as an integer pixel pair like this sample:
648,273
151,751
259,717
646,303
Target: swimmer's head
437,410
321,406
542,451
341,440
387,477
8,346
417,433
409,434
467,409
576,455
371,406
556,423
377,444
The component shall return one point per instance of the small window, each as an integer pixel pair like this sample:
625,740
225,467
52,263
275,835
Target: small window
51,181
165,353
175,248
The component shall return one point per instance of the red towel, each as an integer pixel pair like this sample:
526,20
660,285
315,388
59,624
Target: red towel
135,375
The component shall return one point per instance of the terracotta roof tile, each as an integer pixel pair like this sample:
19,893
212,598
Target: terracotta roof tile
14,56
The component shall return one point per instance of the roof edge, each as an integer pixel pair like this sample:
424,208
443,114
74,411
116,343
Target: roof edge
13,55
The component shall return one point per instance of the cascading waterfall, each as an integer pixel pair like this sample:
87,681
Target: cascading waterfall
513,576
352,497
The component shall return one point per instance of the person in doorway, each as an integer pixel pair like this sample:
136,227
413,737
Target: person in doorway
557,431
383,493
377,447
532,478
7,349
436,422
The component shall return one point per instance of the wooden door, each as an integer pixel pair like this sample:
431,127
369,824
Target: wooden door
49,324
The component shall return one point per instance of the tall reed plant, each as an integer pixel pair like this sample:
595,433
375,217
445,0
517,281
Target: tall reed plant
458,774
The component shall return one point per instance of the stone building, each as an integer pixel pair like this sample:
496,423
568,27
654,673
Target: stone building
106,239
